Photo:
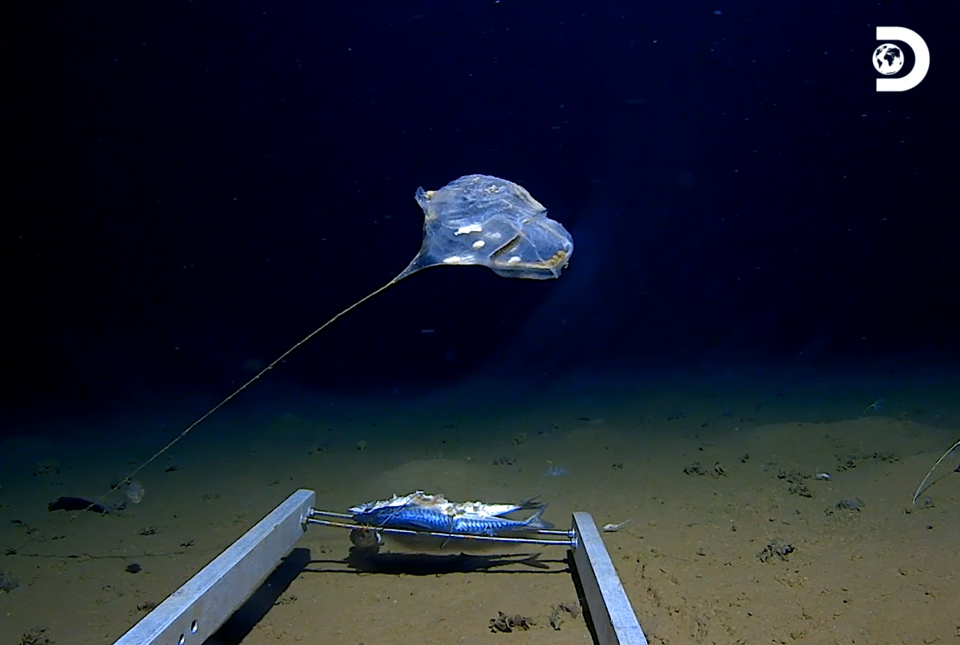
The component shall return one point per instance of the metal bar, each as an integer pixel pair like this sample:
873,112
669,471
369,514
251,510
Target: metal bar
613,618
197,609
446,536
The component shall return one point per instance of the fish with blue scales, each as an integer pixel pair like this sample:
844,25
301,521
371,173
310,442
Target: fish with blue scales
435,513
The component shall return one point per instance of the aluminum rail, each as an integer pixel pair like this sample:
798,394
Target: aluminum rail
613,617
192,613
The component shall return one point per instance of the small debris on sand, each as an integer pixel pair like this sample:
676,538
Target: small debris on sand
507,623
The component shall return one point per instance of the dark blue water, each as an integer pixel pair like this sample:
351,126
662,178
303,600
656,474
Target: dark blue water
192,188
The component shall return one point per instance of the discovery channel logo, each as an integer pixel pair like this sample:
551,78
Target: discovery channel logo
888,59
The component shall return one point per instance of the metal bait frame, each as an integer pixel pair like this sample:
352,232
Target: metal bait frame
196,610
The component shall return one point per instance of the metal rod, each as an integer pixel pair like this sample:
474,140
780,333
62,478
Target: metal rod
343,516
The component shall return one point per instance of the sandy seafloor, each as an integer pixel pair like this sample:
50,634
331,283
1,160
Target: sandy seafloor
689,557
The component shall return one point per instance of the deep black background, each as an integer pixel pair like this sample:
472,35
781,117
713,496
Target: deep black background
191,187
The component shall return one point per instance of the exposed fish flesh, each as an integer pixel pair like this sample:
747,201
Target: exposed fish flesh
431,519
441,503
420,511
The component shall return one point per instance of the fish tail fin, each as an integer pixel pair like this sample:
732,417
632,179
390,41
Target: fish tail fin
536,520
531,504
